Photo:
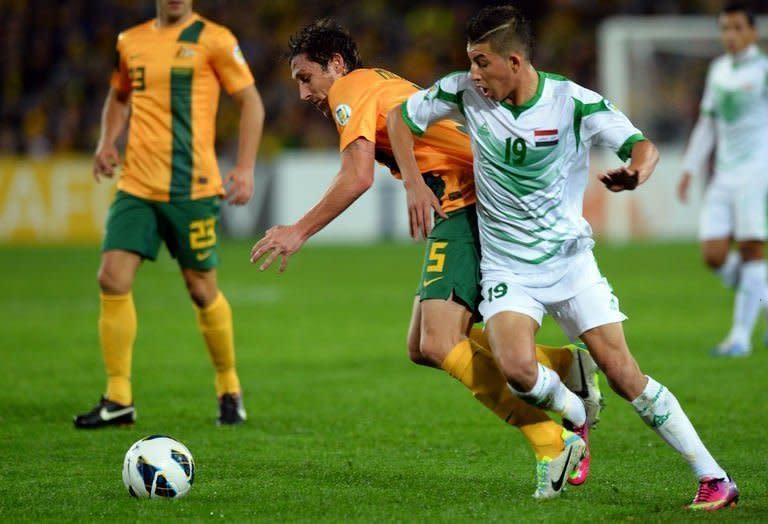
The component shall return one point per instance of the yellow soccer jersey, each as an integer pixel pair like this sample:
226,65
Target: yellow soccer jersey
360,102
174,76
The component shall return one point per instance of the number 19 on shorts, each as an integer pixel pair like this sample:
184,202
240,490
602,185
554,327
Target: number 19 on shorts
496,292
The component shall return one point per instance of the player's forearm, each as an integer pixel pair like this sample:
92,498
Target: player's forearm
114,117
700,145
401,140
251,127
645,156
354,179
344,190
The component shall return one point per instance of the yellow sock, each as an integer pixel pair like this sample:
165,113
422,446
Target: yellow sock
558,359
475,368
545,437
215,323
117,332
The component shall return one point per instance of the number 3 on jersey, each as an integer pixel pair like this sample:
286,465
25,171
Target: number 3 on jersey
137,75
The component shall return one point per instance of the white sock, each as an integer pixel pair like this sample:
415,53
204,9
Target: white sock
659,408
729,271
549,393
750,298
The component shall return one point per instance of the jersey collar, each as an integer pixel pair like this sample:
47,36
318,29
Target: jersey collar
747,55
518,110
176,27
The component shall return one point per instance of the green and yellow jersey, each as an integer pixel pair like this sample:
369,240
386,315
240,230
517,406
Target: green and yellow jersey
360,102
174,75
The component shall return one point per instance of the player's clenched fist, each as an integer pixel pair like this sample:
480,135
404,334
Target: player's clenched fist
620,179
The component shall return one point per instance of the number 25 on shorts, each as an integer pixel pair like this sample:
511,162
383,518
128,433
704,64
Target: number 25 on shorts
437,258
202,233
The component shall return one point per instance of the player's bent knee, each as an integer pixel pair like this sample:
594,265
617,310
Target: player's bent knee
201,293
112,282
202,297
415,355
202,290
521,374
713,261
421,360
751,250
436,348
714,255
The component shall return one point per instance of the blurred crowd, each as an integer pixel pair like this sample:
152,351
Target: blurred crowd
56,57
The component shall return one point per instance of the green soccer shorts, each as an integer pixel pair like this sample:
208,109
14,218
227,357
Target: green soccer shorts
189,229
452,260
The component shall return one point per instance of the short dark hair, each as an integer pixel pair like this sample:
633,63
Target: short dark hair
740,7
504,27
322,39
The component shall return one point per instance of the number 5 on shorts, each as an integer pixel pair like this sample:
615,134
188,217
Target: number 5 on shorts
436,257
202,233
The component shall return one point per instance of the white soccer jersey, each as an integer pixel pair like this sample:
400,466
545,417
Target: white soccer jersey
736,98
531,163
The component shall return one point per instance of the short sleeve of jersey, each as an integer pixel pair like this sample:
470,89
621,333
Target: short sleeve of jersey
354,107
602,124
229,63
120,79
707,100
440,102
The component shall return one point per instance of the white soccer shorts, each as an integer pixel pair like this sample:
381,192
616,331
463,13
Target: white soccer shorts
579,300
734,210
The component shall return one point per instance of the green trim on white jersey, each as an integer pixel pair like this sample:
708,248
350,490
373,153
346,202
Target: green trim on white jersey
518,110
415,129
531,163
625,151
581,110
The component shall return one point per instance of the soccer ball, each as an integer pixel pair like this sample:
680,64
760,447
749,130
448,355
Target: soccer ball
158,466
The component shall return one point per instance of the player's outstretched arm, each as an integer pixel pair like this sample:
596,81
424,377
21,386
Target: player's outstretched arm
421,199
354,179
238,182
644,156
114,118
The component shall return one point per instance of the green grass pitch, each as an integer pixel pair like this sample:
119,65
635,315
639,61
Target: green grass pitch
341,426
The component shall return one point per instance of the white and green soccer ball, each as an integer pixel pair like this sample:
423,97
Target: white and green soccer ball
158,466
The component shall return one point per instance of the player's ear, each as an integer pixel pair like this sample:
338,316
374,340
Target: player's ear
337,63
515,61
